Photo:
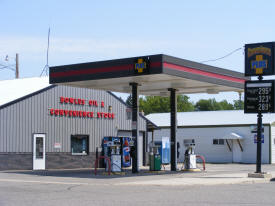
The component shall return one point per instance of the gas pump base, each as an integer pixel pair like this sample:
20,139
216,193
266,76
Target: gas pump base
260,175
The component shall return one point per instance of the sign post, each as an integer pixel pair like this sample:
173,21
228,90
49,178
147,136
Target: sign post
259,131
259,95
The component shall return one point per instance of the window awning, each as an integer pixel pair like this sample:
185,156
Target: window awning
232,135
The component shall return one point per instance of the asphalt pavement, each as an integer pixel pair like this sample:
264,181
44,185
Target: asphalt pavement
220,184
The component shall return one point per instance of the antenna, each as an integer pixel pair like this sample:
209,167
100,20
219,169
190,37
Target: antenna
46,67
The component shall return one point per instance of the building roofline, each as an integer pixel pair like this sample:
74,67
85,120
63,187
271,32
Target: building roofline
52,86
211,126
26,96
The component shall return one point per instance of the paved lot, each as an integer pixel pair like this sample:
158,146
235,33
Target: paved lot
221,184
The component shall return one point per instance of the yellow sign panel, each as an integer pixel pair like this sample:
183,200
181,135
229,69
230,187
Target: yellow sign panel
259,64
258,50
141,65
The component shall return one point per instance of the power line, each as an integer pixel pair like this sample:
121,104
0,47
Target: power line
7,67
10,67
227,55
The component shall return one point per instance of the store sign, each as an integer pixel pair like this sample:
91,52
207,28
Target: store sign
134,125
141,66
129,113
255,139
84,114
259,59
80,113
259,96
57,145
78,101
254,128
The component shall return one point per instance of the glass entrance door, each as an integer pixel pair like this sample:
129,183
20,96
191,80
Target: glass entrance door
39,156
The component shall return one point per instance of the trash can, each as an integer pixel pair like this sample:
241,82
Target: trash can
157,162
155,159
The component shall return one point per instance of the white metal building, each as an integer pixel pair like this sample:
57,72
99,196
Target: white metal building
220,136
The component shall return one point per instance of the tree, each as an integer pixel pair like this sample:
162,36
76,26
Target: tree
206,105
225,105
212,105
184,105
157,104
238,105
154,104
129,101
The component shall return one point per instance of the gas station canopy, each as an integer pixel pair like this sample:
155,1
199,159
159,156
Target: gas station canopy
158,75
154,75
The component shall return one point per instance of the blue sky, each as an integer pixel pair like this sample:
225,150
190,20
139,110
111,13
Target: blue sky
84,31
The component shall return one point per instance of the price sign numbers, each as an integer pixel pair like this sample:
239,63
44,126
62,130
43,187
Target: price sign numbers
259,96
264,98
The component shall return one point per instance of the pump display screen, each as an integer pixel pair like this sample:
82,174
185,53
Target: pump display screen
259,96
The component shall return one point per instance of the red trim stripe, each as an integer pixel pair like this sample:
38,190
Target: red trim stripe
202,73
155,64
99,70
91,71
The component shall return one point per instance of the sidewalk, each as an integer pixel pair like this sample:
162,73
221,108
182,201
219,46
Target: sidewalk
183,180
215,174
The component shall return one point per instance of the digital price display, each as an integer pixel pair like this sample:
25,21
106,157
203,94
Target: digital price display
259,96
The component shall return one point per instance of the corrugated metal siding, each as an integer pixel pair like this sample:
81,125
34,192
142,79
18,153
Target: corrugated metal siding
20,120
219,153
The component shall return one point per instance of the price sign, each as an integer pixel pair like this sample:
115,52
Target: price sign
259,96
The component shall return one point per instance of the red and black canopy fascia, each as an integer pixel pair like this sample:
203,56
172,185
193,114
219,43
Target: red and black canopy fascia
158,64
202,72
102,70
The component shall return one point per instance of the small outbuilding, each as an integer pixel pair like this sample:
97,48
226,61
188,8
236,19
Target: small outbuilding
220,136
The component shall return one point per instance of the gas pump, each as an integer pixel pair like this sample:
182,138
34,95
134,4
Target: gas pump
112,149
190,157
115,158
155,159
118,150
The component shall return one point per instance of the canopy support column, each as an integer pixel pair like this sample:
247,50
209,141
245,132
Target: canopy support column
135,129
173,120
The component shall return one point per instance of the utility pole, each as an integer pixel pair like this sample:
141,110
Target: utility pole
17,66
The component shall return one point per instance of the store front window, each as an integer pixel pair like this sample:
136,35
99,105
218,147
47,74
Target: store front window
80,144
